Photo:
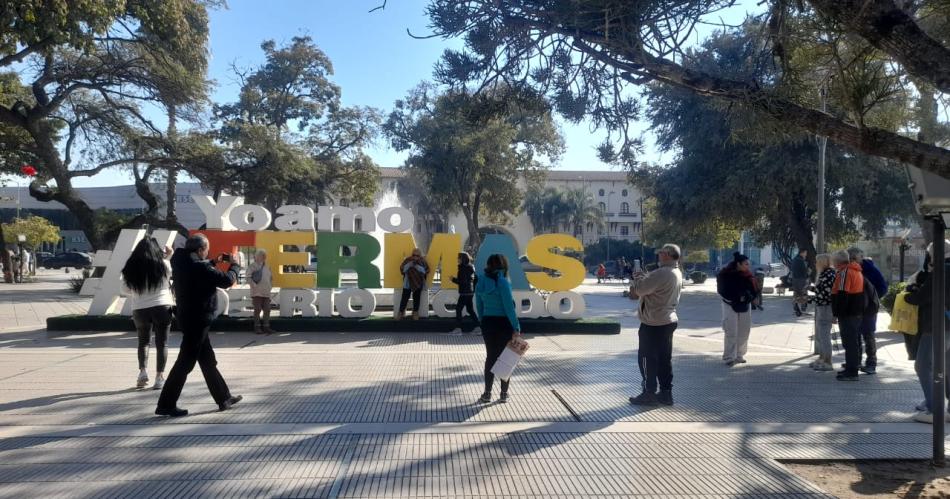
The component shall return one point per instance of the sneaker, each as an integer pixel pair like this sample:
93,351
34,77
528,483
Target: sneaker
730,363
814,364
922,406
456,332
824,367
503,398
485,398
868,369
665,397
644,398
159,382
142,380
924,417
223,406
740,361
846,377
477,330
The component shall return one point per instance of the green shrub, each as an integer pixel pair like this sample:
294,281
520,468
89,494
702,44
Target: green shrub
75,283
888,300
698,277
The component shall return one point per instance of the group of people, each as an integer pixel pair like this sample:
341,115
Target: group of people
624,270
182,284
22,263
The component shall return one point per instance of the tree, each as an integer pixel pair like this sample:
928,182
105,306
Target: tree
587,55
760,181
471,151
552,208
37,230
288,138
83,69
581,210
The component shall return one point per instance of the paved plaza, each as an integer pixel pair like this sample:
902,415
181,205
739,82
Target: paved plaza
358,415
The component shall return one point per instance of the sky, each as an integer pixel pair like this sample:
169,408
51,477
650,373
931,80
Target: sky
375,61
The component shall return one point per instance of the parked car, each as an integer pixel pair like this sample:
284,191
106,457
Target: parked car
72,259
41,257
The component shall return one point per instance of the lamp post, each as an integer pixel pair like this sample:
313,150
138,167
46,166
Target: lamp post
607,215
822,146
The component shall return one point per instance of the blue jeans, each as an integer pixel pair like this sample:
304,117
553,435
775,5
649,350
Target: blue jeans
868,328
924,366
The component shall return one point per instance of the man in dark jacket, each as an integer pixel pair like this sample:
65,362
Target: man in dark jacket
799,272
869,321
195,283
466,280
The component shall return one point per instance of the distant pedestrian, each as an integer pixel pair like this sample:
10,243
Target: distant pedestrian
260,279
869,321
145,276
800,275
601,273
920,293
824,318
465,279
415,272
848,304
196,281
737,288
659,294
496,311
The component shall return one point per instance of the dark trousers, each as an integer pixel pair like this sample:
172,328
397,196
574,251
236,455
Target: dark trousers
851,339
416,299
497,332
158,319
655,356
466,302
867,329
195,348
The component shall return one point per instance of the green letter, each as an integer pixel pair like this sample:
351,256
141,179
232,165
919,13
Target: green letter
330,260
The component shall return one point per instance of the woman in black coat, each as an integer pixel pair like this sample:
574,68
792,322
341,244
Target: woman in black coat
466,279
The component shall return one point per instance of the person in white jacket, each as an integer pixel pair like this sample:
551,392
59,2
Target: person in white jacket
260,279
146,280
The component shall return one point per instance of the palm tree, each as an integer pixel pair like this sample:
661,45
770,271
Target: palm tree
581,210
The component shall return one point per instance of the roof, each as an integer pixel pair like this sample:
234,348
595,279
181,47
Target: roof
562,175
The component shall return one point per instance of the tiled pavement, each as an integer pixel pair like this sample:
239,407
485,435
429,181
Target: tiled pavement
385,415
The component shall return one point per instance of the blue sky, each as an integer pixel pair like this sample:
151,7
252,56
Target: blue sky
375,61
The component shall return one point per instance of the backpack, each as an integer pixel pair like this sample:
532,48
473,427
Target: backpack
872,302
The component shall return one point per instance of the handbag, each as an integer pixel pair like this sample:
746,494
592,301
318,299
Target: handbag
904,315
509,358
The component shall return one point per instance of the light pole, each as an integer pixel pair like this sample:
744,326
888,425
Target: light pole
607,214
822,146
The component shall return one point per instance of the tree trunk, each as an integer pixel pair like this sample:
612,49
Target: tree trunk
474,238
171,188
927,110
151,200
800,224
5,258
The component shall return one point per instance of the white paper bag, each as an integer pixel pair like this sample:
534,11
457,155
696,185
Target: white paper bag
509,359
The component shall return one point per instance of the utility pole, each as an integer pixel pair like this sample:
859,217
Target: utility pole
822,147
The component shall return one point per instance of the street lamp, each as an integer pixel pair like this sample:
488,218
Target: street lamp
822,146
611,193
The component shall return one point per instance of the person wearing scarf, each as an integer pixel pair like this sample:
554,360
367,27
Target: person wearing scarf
737,287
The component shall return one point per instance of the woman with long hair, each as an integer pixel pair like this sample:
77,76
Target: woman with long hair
737,288
465,279
145,276
495,306
823,316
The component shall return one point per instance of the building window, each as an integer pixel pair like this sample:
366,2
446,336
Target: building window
603,207
600,192
623,193
624,206
624,230
392,186
590,227
344,202
358,225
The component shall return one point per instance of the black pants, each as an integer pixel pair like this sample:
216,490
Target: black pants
195,348
146,320
466,302
851,339
497,332
867,329
416,299
655,356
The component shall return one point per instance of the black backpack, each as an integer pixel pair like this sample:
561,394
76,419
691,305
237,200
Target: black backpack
872,302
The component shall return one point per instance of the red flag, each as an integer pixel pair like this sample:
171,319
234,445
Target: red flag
28,170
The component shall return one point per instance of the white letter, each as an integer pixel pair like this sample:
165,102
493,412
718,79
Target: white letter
293,299
575,302
107,296
325,302
347,216
250,217
440,303
536,306
344,302
217,214
238,300
294,217
385,219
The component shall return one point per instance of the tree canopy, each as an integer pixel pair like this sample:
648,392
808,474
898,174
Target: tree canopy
471,151
552,208
37,230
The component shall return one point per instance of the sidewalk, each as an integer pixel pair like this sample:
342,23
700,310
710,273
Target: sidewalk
361,415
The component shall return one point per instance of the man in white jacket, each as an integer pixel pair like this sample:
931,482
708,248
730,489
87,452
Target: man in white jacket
659,294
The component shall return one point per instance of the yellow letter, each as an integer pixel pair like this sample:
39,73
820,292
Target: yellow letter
572,270
444,248
273,242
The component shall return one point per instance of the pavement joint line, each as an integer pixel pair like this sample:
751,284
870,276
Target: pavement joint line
247,345
567,406
344,471
235,429
45,367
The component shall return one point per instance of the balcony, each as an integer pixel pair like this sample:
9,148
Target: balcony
622,216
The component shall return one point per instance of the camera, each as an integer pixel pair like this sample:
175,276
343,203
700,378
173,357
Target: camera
225,257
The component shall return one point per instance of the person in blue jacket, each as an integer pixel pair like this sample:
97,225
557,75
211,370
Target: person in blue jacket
495,306
869,321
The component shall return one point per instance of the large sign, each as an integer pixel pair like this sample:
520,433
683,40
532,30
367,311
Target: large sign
359,241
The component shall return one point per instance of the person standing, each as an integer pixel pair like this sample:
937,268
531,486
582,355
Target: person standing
601,273
495,305
920,293
824,319
659,293
869,321
465,279
145,276
415,271
260,279
848,303
737,288
800,276
195,285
